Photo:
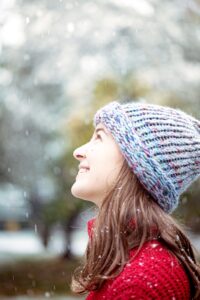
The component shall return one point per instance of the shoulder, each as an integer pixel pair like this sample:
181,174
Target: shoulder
153,272
154,257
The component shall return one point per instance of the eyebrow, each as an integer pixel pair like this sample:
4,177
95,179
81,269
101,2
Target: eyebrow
100,129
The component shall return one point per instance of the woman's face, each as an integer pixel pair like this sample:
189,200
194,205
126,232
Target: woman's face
100,162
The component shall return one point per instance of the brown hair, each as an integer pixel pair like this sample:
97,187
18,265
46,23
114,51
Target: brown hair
108,250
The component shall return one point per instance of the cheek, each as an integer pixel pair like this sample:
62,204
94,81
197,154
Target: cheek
111,176
89,186
114,161
107,176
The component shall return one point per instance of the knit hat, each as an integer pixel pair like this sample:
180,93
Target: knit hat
160,144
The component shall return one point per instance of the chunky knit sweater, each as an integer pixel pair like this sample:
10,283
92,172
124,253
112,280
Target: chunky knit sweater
153,275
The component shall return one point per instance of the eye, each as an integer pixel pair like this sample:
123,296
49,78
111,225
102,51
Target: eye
98,136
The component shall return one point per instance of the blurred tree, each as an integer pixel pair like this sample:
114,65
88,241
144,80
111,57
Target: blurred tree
133,87
4,165
104,91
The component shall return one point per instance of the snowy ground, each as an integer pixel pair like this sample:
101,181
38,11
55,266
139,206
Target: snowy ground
26,243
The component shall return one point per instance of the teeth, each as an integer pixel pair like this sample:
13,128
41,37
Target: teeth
83,170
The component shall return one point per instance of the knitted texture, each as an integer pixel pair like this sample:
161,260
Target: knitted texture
154,274
160,144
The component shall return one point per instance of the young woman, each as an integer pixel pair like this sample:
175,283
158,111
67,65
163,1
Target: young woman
139,161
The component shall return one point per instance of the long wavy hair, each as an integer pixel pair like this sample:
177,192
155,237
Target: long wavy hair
108,250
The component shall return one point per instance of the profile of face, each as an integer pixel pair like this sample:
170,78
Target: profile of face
100,163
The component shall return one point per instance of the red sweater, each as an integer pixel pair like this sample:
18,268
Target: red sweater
153,275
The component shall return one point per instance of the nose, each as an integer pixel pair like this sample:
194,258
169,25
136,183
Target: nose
80,152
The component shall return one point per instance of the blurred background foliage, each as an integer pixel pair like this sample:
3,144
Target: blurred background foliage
61,61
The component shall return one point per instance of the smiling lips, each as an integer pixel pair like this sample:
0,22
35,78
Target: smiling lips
83,169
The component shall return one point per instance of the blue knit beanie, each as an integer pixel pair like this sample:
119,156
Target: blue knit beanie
160,144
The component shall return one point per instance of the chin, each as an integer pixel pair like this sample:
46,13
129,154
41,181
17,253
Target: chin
78,192
81,193
75,191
